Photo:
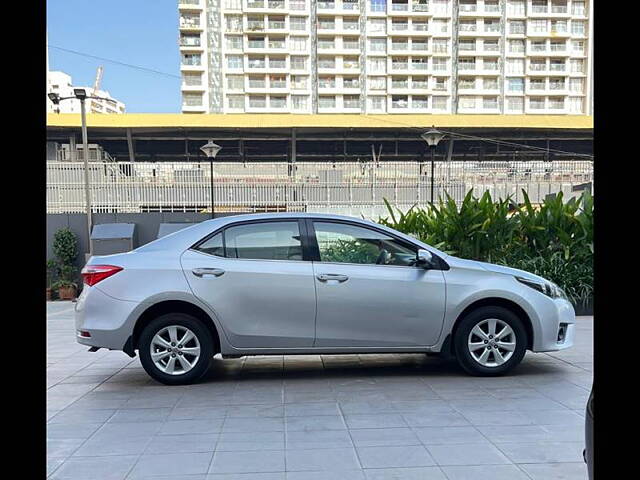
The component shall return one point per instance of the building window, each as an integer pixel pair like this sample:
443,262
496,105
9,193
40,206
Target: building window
536,103
235,82
576,105
377,25
423,82
192,99
377,104
440,45
490,103
298,81
576,85
298,44
420,102
297,4
300,102
350,82
467,102
516,27
277,101
378,5
516,84
515,65
378,65
297,23
257,101
191,59
236,101
234,23
234,42
327,82
377,83
516,46
400,101
327,101
466,83
578,8
515,7
298,63
577,65
577,27
191,79
351,101
189,40
489,83
558,26
556,103
515,104
233,4
234,61
439,103
438,64
378,44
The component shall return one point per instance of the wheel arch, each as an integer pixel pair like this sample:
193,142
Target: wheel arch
495,302
174,306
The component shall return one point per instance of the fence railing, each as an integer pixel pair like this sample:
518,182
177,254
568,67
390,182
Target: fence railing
357,188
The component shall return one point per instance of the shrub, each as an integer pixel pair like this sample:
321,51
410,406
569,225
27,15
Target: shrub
65,248
553,240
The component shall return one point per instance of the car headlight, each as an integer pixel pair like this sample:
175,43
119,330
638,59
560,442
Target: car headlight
550,289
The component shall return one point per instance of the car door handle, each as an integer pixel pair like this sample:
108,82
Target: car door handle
200,272
325,277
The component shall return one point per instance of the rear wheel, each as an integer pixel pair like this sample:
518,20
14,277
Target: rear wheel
175,349
490,341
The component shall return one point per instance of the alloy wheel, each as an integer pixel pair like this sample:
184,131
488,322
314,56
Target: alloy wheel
175,350
491,342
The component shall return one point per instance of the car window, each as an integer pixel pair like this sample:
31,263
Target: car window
213,246
266,241
344,243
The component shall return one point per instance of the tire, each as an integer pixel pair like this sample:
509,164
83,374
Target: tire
470,349
176,324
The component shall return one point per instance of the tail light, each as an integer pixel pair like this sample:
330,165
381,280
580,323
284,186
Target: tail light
92,274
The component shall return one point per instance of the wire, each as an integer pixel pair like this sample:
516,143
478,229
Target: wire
137,67
489,140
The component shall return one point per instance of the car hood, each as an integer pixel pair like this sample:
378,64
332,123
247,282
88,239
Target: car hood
492,267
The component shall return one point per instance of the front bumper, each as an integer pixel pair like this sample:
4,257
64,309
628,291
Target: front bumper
556,329
104,318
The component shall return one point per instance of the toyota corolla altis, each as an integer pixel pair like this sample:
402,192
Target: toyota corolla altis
298,283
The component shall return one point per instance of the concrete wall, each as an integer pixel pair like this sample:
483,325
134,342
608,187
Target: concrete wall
147,225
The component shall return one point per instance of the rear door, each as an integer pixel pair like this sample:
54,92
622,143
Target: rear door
369,294
253,275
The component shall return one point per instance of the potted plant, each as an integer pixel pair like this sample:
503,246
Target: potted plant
52,273
65,248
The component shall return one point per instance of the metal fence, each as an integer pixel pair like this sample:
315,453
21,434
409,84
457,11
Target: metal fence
352,188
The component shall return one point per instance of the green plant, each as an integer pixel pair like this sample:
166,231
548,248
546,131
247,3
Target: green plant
553,239
52,272
65,246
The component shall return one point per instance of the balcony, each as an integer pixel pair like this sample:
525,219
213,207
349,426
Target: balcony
190,23
257,84
277,63
399,27
256,64
276,4
350,6
278,84
400,46
400,66
326,5
419,65
255,26
255,4
276,25
399,7
277,44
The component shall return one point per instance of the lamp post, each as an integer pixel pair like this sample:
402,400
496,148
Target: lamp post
81,94
211,149
432,137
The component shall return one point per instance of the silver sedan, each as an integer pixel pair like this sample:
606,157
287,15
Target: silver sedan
296,283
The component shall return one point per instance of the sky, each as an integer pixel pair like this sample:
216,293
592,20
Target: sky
137,32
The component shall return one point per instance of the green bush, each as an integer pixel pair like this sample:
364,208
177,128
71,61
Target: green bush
65,249
553,240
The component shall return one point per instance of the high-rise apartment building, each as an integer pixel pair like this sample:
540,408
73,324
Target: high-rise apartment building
386,56
61,83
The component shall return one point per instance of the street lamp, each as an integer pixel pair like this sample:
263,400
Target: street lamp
81,94
211,149
432,137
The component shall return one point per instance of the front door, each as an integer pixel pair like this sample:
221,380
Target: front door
253,276
369,294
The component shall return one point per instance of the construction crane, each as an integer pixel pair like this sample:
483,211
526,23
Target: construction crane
96,87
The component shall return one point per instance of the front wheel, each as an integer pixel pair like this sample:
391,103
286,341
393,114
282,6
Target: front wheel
490,341
175,349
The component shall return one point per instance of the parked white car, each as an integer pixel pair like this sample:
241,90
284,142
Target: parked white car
297,283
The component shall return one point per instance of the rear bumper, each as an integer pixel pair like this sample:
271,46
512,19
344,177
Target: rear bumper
104,317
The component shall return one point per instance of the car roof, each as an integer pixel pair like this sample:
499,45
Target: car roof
183,239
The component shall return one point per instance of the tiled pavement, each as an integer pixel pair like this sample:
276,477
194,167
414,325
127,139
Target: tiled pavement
364,417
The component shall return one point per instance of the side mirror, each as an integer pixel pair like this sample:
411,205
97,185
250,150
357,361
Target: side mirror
424,259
